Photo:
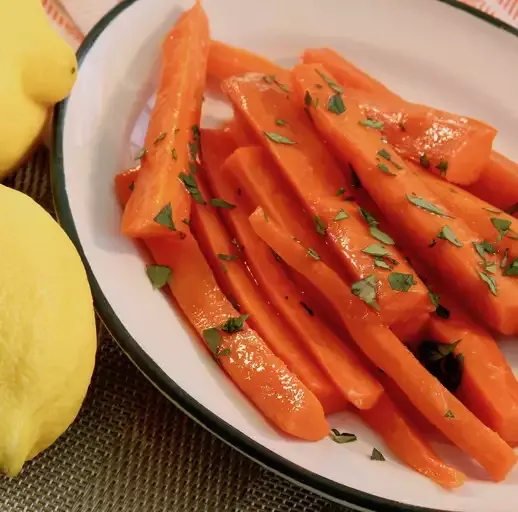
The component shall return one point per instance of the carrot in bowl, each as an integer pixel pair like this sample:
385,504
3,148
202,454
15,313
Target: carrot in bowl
498,183
226,61
159,201
443,241
250,364
356,308
302,164
339,363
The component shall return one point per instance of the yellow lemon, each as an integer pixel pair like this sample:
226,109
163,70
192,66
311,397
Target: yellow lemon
47,330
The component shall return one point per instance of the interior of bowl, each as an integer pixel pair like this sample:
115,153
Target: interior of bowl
424,49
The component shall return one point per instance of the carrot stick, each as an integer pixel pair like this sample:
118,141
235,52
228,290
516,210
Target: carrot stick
226,61
457,147
305,164
481,217
345,72
251,365
418,214
159,201
337,360
409,445
226,261
380,345
488,386
498,183
124,184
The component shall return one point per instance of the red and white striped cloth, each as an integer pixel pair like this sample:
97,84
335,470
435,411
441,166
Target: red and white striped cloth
74,18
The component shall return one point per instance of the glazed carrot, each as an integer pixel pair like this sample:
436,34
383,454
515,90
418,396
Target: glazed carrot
498,183
488,386
380,345
411,330
226,61
306,167
160,201
455,147
418,214
490,224
346,73
256,173
124,183
409,445
251,365
239,130
228,266
336,359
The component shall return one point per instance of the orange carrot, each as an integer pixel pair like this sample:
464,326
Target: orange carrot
228,266
160,201
250,364
488,386
411,330
345,73
409,445
490,224
124,183
380,345
339,363
305,164
498,183
226,61
418,214
239,130
455,147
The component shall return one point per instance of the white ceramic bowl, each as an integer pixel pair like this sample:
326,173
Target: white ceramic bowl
436,52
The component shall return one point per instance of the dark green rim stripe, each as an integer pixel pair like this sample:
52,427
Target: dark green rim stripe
358,500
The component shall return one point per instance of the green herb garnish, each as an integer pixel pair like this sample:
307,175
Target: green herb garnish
449,414
132,186
504,259
426,205
385,169
213,338
140,153
279,139
309,311
371,123
159,275
341,437
311,252
234,324
447,234
226,257
401,282
341,215
330,82
159,138
489,266
191,186
377,455
381,263
384,154
501,225
374,230
280,122
320,227
376,250
193,150
484,248
442,166
434,298
490,281
174,154
492,210
308,100
336,104
512,269
423,160
340,191
365,289
221,203
165,217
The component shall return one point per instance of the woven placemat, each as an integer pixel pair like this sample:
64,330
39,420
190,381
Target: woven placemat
131,450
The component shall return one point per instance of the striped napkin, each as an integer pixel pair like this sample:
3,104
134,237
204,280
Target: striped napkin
74,18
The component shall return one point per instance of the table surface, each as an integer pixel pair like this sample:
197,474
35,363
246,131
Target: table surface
131,450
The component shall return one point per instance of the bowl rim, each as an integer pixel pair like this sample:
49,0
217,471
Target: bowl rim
358,500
